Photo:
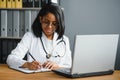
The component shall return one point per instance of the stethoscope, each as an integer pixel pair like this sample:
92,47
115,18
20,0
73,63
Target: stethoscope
48,56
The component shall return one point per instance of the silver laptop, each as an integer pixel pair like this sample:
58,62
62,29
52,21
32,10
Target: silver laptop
93,55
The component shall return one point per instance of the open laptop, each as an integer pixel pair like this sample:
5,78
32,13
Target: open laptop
93,55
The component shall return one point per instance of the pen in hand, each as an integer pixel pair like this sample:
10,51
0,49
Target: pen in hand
34,65
32,57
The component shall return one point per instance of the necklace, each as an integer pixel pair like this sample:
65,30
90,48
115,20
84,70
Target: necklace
47,55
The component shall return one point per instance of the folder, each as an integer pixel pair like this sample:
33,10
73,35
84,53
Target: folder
16,23
22,23
3,23
18,3
9,23
9,3
3,4
13,4
27,20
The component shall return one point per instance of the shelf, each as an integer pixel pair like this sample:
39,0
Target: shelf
10,38
27,8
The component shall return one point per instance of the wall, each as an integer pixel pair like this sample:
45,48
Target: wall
92,17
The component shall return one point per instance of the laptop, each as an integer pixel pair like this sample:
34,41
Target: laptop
93,55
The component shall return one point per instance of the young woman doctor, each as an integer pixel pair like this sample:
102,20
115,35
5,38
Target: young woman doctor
47,45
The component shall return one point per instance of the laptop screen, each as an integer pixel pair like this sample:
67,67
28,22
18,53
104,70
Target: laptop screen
94,53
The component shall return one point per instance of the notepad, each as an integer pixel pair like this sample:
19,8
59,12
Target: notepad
26,70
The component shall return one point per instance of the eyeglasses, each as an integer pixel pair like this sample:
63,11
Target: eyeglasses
48,23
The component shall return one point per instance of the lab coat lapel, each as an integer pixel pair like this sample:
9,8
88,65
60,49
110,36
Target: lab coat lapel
55,39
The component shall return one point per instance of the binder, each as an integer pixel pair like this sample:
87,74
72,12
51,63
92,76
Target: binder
30,3
4,50
9,3
15,42
27,20
0,22
0,50
22,23
13,4
33,15
3,23
9,23
44,2
25,3
16,23
33,3
37,3
18,3
10,46
3,4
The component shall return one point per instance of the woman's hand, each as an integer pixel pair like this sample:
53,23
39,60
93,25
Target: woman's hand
50,65
32,65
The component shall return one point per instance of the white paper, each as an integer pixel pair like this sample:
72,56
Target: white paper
26,70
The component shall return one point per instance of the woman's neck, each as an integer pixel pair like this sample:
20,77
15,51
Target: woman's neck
50,37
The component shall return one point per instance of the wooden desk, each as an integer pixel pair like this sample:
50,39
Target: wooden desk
9,74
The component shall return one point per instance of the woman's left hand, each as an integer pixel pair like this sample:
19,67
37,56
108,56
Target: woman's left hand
50,65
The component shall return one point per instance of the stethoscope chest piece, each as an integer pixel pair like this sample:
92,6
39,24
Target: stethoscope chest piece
48,56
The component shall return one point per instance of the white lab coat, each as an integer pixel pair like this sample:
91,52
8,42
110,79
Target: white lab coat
32,44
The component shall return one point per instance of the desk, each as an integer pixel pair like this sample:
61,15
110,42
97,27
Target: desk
9,74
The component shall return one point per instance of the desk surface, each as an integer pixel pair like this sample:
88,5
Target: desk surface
9,74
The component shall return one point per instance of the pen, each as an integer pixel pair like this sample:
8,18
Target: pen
34,60
32,57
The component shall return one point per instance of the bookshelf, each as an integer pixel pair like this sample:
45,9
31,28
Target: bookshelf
15,21
21,18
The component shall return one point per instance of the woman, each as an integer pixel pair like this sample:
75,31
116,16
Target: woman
47,45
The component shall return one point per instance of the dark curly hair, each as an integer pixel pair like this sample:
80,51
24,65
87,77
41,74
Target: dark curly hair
57,11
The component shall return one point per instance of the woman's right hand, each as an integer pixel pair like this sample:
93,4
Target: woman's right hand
32,65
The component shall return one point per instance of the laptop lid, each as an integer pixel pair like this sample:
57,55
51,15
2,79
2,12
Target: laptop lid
94,53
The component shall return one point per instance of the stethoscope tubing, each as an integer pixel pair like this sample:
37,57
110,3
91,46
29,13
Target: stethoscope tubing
57,44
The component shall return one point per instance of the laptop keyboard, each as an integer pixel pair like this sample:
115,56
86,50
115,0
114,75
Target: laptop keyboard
66,70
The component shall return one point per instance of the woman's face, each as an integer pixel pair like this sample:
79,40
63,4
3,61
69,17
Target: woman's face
49,25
